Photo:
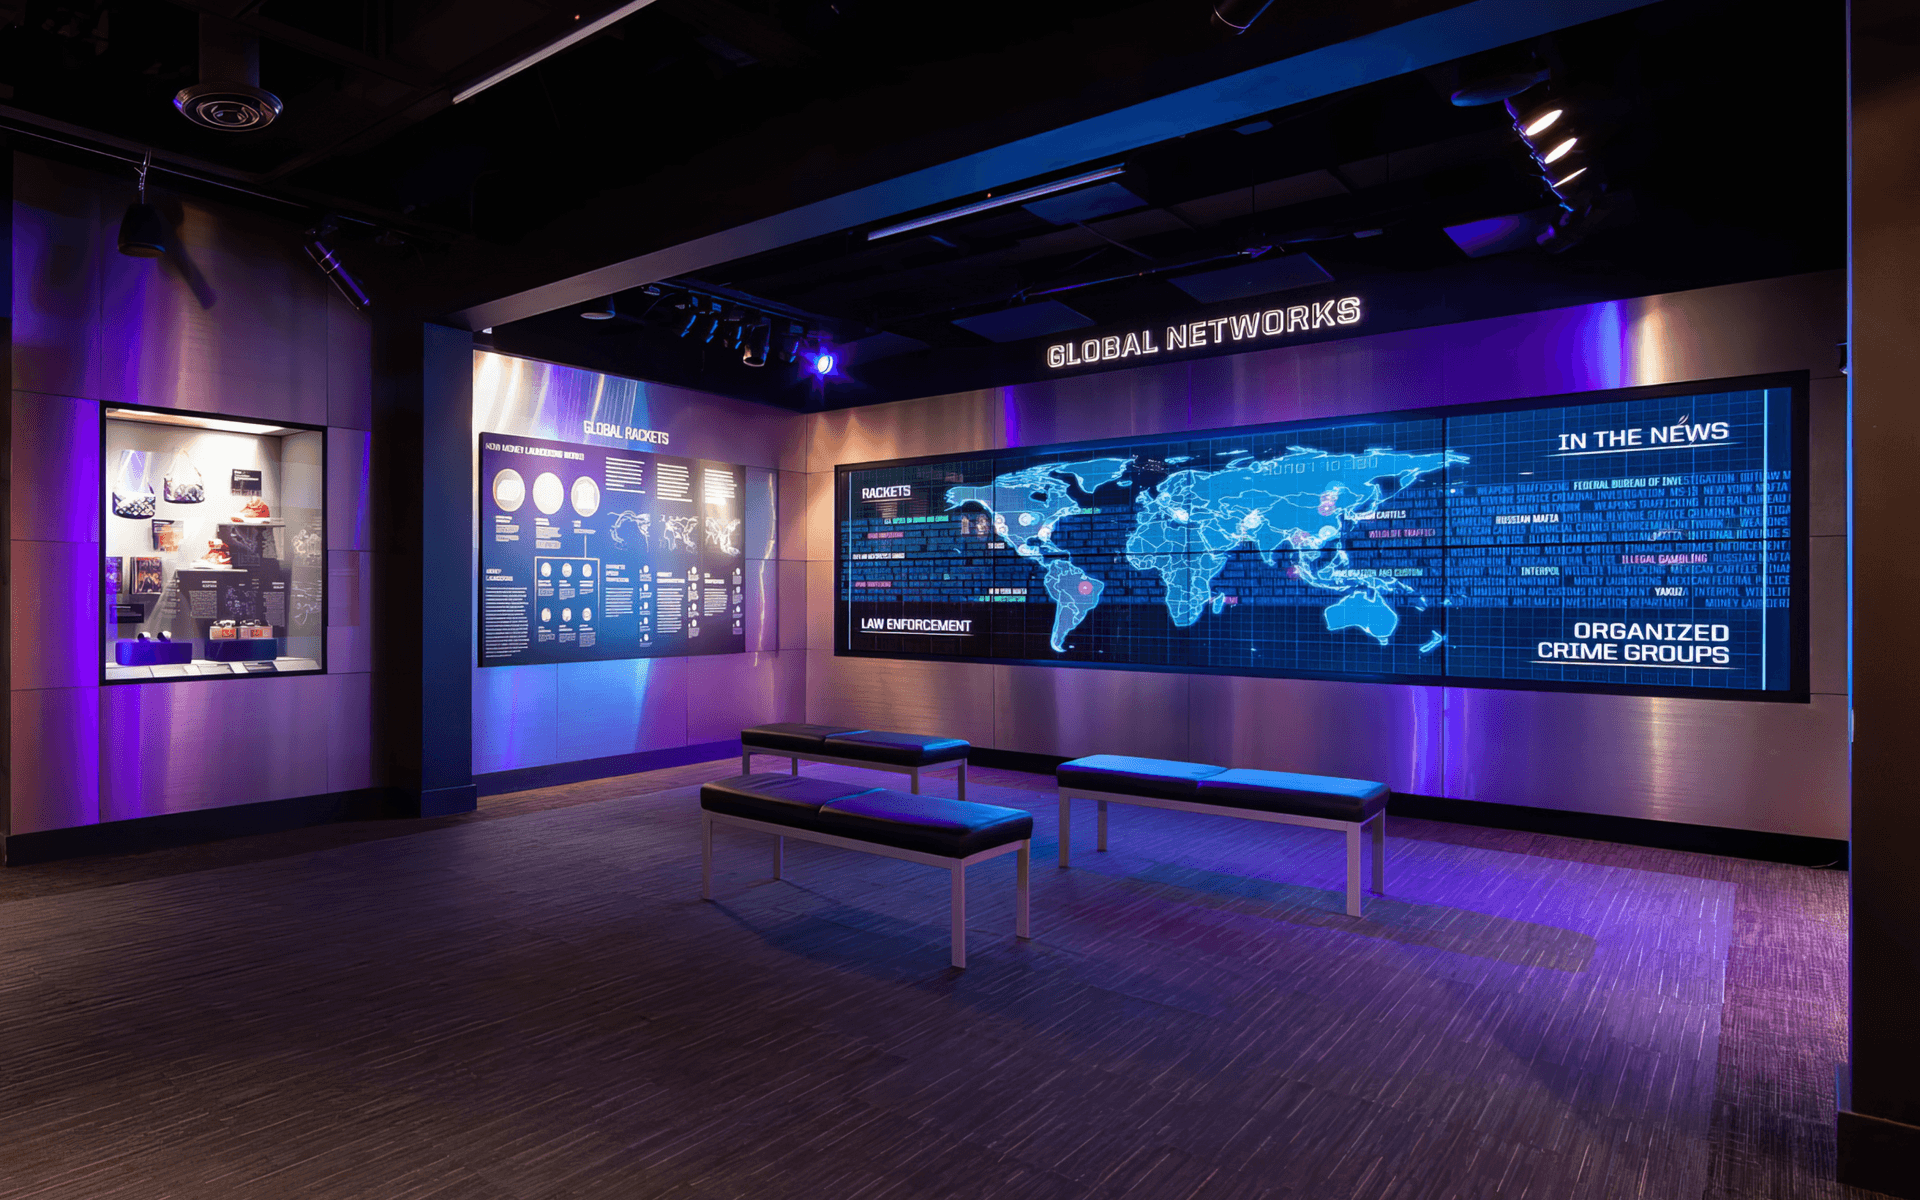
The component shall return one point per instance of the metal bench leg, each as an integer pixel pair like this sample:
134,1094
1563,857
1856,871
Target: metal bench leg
706,857
959,915
779,853
746,762
1353,870
963,779
916,780
796,766
1380,855
1065,831
1102,845
1020,926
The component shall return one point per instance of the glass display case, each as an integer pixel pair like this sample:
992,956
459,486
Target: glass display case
215,544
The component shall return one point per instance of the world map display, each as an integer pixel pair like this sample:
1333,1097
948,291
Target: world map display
1640,542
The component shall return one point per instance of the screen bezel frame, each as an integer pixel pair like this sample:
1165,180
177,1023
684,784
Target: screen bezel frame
1797,383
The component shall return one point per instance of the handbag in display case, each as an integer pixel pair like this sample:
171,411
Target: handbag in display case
132,489
183,483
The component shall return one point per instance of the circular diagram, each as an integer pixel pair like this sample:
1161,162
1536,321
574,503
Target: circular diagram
586,570
509,490
566,614
548,493
546,570
586,496
586,616
566,570
546,615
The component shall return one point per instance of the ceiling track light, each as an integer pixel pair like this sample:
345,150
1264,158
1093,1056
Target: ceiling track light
1564,180
143,232
758,341
1559,152
331,266
599,310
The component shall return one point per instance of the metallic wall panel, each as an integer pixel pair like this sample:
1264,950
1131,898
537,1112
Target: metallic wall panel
56,277
349,611
762,507
1827,615
906,429
178,747
947,699
516,717
790,515
1742,329
1144,400
349,365
1299,383
620,707
729,692
1827,456
55,778
545,400
55,489
794,606
349,732
232,320
1046,710
1775,767
762,581
55,596
349,490
820,532
1385,732
820,605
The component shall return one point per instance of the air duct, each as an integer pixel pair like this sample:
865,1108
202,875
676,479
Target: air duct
228,97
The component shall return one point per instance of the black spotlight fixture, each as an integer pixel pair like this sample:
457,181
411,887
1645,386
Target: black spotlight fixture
786,346
599,310
143,233
758,341
330,265
709,323
691,304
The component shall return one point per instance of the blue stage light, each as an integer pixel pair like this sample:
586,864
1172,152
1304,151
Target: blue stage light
823,362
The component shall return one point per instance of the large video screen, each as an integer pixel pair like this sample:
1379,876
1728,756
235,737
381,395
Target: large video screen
588,552
1644,541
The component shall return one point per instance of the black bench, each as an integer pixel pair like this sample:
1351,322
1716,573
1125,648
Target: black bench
925,829
1319,801
843,746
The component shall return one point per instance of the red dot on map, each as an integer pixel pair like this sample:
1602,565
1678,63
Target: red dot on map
1086,587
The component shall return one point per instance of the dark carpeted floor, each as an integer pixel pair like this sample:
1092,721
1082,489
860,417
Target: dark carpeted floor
532,1001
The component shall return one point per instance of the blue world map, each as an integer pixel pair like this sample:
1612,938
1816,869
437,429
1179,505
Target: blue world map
1292,510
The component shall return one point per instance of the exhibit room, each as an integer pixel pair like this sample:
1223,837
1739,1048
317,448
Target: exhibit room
1148,598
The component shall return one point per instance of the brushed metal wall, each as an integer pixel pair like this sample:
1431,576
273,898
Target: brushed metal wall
533,716
1774,767
234,321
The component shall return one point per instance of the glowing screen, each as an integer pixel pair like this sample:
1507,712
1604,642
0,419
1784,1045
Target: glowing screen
1634,541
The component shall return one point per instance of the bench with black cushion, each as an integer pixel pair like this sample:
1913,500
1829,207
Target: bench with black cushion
932,830
845,746
1319,801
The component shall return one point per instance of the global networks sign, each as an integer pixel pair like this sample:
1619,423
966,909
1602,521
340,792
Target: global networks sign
1252,326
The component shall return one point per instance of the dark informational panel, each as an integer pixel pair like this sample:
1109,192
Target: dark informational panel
1642,541
593,553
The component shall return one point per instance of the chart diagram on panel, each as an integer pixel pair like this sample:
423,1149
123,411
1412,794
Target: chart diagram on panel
1578,544
589,553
